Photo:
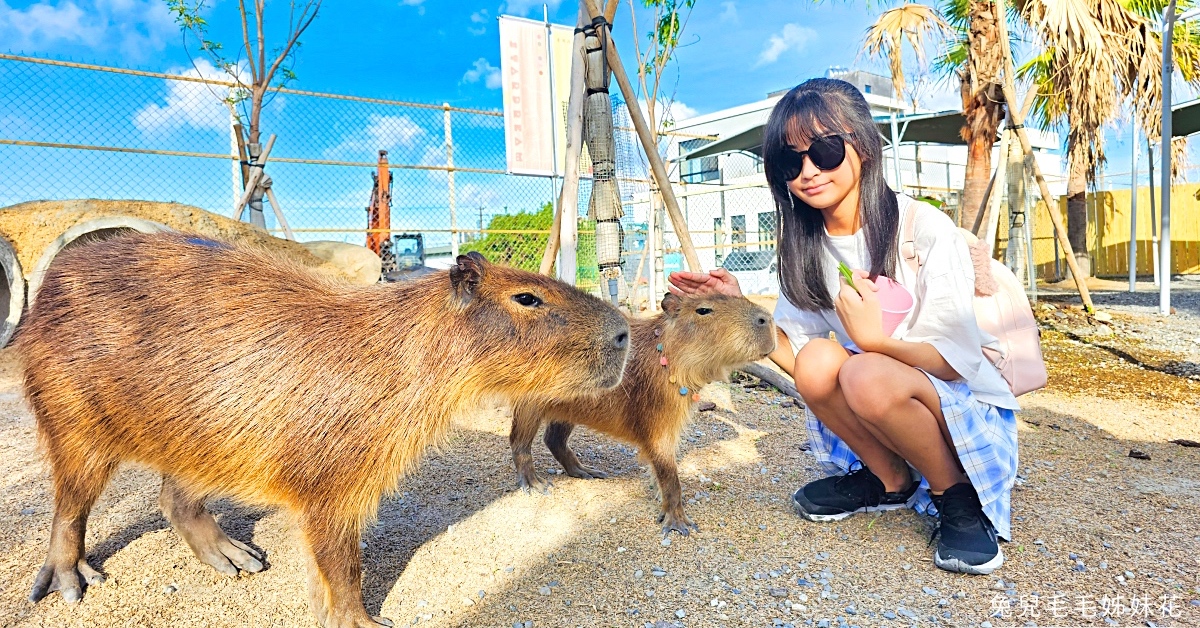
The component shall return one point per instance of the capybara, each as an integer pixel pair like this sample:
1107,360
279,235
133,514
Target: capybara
240,374
692,342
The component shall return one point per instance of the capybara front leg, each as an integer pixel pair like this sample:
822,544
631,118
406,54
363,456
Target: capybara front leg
200,531
66,569
524,429
557,434
667,474
335,573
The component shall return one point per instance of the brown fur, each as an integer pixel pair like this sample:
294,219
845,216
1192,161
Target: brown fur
237,373
647,409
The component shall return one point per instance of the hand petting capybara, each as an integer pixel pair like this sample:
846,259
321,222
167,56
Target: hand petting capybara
240,374
692,342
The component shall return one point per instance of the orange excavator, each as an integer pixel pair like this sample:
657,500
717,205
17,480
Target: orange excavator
379,212
402,255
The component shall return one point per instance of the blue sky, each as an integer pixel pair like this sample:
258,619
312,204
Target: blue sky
434,50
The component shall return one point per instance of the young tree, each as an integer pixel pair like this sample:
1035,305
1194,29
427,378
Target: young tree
191,22
670,17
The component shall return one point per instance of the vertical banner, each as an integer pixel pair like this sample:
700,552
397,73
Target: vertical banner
534,126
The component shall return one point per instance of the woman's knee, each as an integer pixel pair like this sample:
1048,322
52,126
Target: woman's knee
817,367
872,387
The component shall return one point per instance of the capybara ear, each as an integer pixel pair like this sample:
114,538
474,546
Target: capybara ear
466,274
671,304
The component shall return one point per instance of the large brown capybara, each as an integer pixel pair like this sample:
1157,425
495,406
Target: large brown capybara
237,373
692,342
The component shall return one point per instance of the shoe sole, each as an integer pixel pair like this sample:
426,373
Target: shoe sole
842,515
957,566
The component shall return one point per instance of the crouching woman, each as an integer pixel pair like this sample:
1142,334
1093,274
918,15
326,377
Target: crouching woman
918,418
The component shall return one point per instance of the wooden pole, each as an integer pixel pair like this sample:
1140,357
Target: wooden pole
1010,96
566,216
287,230
647,136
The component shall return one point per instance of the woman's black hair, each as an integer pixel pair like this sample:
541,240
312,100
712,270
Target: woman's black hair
816,108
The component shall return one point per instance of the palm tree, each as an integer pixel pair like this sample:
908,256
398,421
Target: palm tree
1096,54
977,59
917,23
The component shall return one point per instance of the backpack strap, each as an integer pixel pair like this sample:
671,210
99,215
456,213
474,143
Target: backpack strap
908,241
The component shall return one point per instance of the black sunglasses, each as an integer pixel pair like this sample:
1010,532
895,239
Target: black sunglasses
826,153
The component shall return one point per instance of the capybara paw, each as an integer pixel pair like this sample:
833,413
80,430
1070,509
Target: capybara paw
335,621
68,581
678,523
227,556
585,473
530,482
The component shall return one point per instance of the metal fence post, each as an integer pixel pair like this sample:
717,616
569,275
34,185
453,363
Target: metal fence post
450,179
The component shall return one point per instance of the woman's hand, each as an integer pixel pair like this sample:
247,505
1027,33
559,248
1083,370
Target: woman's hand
715,281
860,312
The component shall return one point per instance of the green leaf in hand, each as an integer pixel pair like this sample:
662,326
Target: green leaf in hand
848,275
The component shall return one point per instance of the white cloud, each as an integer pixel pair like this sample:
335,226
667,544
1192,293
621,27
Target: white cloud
188,104
135,28
792,38
481,69
381,133
729,12
420,4
523,7
479,17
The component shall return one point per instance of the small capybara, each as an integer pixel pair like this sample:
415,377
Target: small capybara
692,342
240,374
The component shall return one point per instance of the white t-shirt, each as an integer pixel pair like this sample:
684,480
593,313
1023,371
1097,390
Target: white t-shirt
943,315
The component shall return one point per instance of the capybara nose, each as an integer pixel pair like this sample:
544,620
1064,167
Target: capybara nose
761,321
621,340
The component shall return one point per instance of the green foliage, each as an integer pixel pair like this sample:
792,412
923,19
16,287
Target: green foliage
524,250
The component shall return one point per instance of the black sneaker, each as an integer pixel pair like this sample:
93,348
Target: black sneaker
836,497
968,540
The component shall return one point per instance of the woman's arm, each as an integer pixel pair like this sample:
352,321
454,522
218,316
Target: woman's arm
919,354
861,315
782,356
717,280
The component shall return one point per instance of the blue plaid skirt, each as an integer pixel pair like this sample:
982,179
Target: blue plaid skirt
984,436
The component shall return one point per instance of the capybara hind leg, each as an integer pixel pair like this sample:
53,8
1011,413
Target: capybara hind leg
200,531
66,569
666,473
524,429
557,434
335,574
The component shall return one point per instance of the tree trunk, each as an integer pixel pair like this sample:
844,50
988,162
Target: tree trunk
256,101
983,105
1077,217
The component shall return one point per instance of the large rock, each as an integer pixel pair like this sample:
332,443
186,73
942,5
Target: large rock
39,229
358,264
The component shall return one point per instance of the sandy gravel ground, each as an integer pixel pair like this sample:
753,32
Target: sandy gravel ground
1094,529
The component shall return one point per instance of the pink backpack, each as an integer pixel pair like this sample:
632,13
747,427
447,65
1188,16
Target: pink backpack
1001,309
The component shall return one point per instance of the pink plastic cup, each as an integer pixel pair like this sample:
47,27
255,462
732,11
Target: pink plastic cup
896,302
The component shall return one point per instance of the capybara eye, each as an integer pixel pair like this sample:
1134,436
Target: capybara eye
526,299
703,310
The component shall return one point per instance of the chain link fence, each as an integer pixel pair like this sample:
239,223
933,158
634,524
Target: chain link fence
74,131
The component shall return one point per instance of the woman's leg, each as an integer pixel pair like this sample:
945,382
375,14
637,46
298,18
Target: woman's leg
899,407
817,376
